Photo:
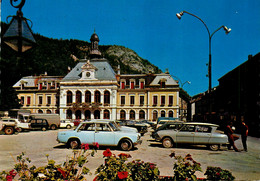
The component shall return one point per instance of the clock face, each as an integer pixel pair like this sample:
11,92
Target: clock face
88,74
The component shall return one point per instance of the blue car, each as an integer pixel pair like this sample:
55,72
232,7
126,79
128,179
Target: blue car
103,132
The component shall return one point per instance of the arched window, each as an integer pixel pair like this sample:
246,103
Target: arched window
170,114
88,97
106,114
155,115
78,97
69,114
141,114
132,115
96,114
106,97
40,111
87,115
78,114
122,115
97,97
48,111
162,113
69,97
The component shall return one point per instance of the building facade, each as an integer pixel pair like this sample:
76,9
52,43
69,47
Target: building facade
39,94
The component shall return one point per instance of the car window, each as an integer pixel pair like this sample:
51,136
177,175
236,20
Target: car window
32,121
172,126
87,127
203,129
188,128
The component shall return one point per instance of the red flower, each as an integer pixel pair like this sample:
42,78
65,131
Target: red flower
152,165
62,172
9,178
12,173
122,175
218,174
85,146
107,153
124,155
95,144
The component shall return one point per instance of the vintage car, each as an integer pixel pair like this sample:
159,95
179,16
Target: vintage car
39,124
103,132
66,124
191,133
141,128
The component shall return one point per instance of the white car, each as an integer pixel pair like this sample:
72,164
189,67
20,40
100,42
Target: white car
66,124
103,132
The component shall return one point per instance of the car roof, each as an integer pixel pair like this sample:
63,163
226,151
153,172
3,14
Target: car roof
98,121
201,124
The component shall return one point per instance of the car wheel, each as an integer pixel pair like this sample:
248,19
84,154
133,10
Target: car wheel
214,147
126,145
74,143
53,127
44,129
68,126
9,130
167,142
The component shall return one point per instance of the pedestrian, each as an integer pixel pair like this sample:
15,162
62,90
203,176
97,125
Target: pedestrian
244,132
229,132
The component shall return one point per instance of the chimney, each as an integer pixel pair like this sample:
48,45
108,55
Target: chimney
118,70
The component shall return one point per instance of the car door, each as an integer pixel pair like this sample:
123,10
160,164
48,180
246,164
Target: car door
202,134
185,134
104,135
33,123
86,133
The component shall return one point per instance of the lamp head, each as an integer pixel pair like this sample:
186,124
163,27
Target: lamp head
227,30
179,15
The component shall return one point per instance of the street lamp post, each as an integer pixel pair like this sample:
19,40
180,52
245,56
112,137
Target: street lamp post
227,30
19,34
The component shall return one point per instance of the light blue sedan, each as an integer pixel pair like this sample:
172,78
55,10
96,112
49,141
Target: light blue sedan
103,132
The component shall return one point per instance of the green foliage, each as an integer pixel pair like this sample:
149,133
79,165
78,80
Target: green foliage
73,169
217,173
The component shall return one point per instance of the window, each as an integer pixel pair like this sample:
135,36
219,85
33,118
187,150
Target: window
40,100
40,86
132,114
107,97
170,100
48,100
22,100
162,100
188,128
49,85
132,85
141,85
78,97
69,114
155,100
78,114
132,100
141,114
122,115
170,114
106,114
97,97
48,111
28,100
88,97
141,100
40,111
162,113
122,85
87,114
162,84
155,115
69,97
96,114
22,86
122,100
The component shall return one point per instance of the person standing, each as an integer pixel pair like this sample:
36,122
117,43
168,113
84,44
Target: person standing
229,132
244,132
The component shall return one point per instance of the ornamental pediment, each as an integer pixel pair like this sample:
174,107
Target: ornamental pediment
88,66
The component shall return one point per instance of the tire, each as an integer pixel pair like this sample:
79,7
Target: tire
9,130
53,127
167,142
214,147
74,143
68,126
126,145
44,129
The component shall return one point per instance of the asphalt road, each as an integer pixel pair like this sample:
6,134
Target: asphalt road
36,144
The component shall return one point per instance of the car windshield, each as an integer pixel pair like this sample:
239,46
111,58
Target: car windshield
114,126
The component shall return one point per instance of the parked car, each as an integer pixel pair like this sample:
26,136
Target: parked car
192,133
22,126
141,128
104,132
39,124
66,124
169,125
163,120
148,123
8,126
53,119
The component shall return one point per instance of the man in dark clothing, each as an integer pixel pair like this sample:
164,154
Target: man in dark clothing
229,132
244,133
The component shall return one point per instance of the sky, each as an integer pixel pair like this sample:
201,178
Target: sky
152,30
